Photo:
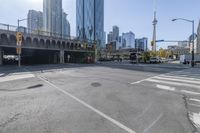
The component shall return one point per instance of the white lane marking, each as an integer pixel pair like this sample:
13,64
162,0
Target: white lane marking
195,105
137,82
117,123
174,83
178,80
195,118
190,92
153,123
163,87
15,77
195,100
177,77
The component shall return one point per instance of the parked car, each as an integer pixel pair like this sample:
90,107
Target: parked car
155,60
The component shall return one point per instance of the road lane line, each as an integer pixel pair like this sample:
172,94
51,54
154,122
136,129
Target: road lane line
153,123
137,82
16,77
117,123
195,105
163,87
178,80
190,92
180,77
173,83
195,100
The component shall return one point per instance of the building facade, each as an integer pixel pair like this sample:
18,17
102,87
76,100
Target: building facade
34,21
65,26
190,43
104,40
128,40
198,39
115,33
110,37
183,44
52,17
141,44
90,20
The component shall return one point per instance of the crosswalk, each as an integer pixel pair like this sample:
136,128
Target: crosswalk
185,82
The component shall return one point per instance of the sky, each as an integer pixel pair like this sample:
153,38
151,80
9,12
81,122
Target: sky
128,15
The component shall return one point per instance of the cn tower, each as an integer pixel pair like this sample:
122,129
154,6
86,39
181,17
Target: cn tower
155,21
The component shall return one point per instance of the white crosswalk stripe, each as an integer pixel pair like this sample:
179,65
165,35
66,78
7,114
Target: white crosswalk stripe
174,79
182,82
187,83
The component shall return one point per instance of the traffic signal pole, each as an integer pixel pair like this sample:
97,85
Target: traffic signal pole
18,46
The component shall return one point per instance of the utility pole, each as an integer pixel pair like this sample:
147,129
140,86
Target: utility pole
18,45
193,37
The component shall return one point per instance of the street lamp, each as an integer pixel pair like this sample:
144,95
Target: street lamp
18,25
191,21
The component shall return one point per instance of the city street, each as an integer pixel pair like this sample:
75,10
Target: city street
100,98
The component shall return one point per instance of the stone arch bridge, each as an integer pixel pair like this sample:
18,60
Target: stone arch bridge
44,43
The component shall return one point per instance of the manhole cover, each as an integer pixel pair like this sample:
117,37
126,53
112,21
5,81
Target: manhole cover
95,84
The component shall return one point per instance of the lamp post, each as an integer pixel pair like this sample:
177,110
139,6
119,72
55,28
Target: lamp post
191,21
19,45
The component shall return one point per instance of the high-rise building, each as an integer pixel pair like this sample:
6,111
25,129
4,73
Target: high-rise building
90,20
141,44
198,40
110,37
52,15
34,21
115,33
195,43
128,40
183,44
65,26
104,40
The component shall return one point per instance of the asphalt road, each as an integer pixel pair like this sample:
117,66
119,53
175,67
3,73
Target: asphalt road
101,98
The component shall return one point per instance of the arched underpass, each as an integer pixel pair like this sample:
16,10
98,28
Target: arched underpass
32,56
36,57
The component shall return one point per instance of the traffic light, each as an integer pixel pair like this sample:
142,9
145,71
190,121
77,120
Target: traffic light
19,50
19,37
152,43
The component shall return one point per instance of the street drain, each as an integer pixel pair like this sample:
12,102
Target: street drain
96,84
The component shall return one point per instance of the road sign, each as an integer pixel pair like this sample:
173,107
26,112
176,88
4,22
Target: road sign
19,37
160,40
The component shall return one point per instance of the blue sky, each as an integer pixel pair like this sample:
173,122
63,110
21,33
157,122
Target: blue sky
129,15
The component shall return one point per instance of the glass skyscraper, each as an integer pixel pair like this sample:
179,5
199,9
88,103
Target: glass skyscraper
34,21
90,20
52,11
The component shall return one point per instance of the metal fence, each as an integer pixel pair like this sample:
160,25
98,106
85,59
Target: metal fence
27,31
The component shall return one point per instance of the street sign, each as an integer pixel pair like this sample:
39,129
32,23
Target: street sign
160,40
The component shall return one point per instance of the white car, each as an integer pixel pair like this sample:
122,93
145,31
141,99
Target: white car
155,60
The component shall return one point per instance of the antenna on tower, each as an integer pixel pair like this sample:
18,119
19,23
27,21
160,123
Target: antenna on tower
153,43
154,6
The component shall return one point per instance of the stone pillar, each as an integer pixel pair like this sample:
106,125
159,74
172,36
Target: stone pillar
1,56
62,56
